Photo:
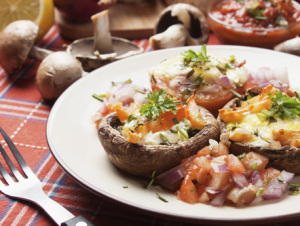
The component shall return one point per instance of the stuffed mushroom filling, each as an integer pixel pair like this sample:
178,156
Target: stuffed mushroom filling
161,120
269,120
193,72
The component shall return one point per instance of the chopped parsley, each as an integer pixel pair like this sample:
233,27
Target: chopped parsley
191,57
158,102
282,106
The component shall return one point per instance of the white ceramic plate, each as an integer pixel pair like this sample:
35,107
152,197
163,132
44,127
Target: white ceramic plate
73,140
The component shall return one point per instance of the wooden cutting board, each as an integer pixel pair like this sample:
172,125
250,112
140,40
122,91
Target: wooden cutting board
130,21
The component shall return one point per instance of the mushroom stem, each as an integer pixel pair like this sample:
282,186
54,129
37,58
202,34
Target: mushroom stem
102,37
174,36
39,53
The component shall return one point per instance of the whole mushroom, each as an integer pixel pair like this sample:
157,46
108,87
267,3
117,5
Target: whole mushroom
17,43
178,25
56,73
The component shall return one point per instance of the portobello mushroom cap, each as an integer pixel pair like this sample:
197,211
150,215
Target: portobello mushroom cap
142,160
285,158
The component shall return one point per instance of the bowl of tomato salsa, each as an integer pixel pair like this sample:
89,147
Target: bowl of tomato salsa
260,23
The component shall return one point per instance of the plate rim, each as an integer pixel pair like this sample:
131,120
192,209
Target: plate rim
137,207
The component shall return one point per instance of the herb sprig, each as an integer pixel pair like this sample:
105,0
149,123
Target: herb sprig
282,106
191,57
158,102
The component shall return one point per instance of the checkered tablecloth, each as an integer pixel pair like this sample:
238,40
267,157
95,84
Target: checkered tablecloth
23,115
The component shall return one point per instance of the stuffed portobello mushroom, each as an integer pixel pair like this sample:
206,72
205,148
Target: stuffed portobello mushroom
267,122
157,134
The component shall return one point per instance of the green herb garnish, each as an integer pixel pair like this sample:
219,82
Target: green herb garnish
161,198
182,133
241,156
282,106
254,166
152,178
191,57
166,141
99,97
260,191
158,102
233,127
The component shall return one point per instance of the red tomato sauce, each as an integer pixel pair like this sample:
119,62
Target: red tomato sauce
257,13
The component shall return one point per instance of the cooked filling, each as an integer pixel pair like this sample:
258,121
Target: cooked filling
270,119
193,72
162,120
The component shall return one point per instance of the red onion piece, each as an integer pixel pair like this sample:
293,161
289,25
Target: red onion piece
256,200
127,93
211,190
211,89
277,84
274,189
287,176
225,82
219,167
240,180
172,178
219,199
264,75
256,179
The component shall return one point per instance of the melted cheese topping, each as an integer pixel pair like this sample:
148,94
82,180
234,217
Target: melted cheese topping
211,71
262,131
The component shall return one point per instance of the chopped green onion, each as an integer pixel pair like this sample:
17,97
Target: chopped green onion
161,198
99,97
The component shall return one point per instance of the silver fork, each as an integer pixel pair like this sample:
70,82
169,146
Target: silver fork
29,188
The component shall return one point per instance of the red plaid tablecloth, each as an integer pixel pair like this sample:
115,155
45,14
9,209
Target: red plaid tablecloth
23,115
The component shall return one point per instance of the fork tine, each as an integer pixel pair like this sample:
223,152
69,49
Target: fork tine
5,174
17,155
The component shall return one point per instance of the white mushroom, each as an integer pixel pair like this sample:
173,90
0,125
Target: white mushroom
174,36
291,46
195,25
17,43
56,73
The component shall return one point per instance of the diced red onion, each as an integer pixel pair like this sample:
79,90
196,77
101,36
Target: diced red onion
277,84
256,179
287,176
126,93
274,189
211,89
219,167
211,190
219,199
263,75
225,82
171,179
256,200
240,180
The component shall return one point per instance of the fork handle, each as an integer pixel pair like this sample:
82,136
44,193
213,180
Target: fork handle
58,213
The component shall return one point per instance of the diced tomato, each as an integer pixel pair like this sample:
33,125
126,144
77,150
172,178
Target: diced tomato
188,192
253,160
218,180
269,173
234,164
114,107
219,150
204,151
